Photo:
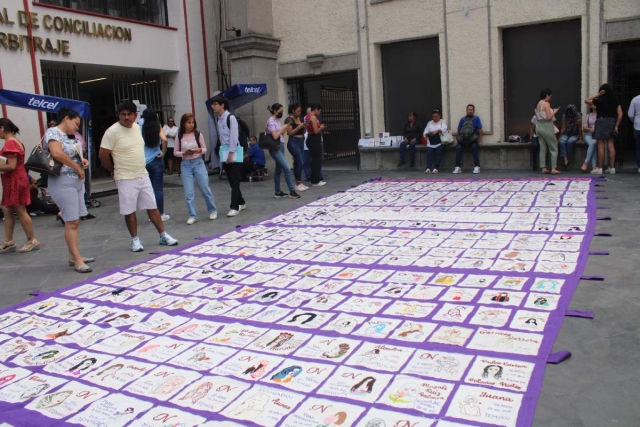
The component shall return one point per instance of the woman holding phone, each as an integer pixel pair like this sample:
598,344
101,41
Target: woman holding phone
191,147
67,190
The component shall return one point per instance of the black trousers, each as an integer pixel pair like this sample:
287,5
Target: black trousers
38,204
234,175
314,144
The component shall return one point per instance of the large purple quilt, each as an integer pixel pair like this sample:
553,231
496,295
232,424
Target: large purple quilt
408,303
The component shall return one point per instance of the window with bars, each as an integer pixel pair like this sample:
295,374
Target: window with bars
151,11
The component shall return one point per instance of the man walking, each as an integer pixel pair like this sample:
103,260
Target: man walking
469,135
634,114
229,138
123,142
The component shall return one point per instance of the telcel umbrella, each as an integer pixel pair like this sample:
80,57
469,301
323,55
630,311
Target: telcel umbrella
53,104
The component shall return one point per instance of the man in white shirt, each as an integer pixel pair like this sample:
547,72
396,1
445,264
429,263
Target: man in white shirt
123,142
229,138
634,114
171,130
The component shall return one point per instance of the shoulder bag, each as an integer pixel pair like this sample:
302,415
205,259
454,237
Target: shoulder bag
42,161
267,142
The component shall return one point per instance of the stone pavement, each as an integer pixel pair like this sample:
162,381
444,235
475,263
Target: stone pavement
597,387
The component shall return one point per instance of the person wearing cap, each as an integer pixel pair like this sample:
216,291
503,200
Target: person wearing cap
433,133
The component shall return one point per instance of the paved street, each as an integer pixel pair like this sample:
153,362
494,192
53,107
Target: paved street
597,387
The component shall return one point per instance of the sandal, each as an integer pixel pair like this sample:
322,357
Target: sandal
30,246
83,268
7,247
555,172
86,261
545,170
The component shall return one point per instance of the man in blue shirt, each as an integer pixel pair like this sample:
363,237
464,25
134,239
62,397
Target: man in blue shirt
254,157
469,135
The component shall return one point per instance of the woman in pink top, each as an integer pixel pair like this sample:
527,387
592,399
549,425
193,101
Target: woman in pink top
190,146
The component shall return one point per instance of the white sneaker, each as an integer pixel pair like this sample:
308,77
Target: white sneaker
320,184
165,217
476,169
136,245
457,170
191,221
242,207
596,171
301,187
213,215
427,171
233,212
434,171
167,240
611,171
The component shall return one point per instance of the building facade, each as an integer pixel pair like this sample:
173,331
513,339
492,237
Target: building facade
369,62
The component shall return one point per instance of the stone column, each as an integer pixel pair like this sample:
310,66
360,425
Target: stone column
254,60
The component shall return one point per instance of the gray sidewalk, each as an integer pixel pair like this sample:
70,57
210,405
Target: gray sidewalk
597,387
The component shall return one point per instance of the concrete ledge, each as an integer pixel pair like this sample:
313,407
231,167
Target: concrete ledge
493,156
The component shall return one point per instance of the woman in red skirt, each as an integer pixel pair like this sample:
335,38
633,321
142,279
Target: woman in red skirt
15,189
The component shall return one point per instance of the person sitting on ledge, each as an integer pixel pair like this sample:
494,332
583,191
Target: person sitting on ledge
411,136
469,135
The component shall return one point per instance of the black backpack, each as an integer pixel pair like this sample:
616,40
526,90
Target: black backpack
243,134
466,135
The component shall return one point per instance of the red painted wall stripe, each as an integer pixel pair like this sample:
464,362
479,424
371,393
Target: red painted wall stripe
34,70
204,46
186,30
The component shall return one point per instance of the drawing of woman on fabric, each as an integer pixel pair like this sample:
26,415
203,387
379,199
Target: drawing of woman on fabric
287,375
469,406
405,394
337,352
493,371
34,391
45,356
85,364
364,386
52,400
170,385
198,393
336,419
111,371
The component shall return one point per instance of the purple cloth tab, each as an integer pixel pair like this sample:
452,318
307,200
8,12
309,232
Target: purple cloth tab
604,218
578,313
599,253
558,357
599,278
603,234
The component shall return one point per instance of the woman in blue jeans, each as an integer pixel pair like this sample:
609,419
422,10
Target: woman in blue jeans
588,127
277,131
571,132
190,146
296,143
155,147
432,133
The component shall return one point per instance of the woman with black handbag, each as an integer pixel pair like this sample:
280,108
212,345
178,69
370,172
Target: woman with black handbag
15,189
277,131
67,189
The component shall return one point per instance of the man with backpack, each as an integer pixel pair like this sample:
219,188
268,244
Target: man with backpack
469,135
229,136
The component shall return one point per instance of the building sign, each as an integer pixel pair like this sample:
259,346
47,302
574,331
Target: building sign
58,24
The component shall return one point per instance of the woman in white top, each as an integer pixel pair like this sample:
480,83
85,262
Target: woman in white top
171,131
432,133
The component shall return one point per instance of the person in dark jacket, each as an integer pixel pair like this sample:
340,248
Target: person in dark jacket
411,136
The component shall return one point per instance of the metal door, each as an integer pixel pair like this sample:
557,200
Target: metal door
151,90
